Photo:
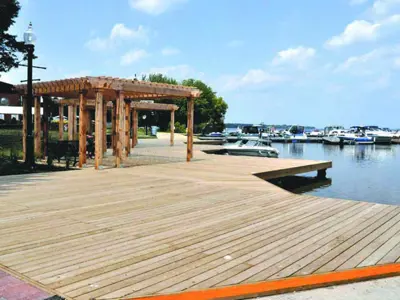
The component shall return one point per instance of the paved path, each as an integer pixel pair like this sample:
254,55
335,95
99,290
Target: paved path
382,289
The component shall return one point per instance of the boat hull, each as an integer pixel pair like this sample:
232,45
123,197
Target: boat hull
331,140
251,152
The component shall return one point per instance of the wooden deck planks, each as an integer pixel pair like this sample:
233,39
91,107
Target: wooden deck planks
170,227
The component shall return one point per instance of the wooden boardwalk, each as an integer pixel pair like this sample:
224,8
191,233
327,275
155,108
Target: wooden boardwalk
170,227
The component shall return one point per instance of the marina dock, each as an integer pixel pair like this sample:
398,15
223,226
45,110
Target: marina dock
211,228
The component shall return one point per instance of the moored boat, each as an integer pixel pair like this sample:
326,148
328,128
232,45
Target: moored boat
252,147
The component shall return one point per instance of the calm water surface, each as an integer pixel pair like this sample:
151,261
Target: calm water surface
361,172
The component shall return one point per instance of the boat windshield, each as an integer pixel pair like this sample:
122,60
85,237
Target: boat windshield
250,130
251,143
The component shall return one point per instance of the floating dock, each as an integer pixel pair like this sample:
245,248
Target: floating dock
208,229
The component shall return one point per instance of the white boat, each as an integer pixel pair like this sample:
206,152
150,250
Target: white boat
380,136
332,137
355,136
295,132
252,147
328,129
316,133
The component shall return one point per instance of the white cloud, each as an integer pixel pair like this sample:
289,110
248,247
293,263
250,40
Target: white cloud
298,56
358,2
397,62
253,78
133,56
154,7
353,61
118,33
376,61
357,31
384,7
168,51
235,43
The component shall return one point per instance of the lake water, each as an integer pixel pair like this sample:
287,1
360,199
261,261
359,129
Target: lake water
361,172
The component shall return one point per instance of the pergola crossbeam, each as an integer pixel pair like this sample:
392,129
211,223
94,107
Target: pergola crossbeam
96,92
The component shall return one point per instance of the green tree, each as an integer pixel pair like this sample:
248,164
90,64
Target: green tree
9,46
208,109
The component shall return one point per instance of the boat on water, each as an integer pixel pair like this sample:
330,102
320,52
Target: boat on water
355,136
329,129
333,137
212,136
252,146
294,133
380,136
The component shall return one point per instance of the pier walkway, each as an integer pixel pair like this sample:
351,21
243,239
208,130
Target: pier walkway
168,226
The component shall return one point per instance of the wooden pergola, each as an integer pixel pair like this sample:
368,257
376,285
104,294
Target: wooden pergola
122,96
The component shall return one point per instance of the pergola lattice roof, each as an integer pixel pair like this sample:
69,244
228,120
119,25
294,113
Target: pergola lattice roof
132,88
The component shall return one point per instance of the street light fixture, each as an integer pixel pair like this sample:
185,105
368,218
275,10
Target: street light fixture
29,39
145,123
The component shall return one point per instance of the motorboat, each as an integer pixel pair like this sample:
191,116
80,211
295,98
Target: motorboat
355,136
328,129
316,133
252,147
212,136
380,136
332,137
295,132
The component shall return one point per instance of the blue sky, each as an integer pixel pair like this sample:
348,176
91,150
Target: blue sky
308,62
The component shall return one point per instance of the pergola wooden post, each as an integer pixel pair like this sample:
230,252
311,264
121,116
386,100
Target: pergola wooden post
135,128
190,109
98,159
105,127
89,121
127,127
101,88
75,114
172,128
24,126
113,126
45,126
82,130
61,122
71,121
37,128
120,129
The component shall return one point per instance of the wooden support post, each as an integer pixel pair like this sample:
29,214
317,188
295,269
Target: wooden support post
172,128
24,125
105,127
190,109
89,122
61,122
82,130
37,128
321,174
127,127
113,126
45,125
98,159
135,128
70,122
120,134
75,133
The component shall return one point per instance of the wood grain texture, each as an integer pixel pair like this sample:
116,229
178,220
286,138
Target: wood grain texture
82,130
99,130
170,227
37,128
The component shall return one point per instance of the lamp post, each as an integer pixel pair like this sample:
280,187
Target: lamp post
29,39
145,123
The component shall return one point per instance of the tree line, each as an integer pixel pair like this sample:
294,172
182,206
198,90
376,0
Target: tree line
209,109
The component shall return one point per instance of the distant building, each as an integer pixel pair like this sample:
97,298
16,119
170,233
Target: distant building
10,106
